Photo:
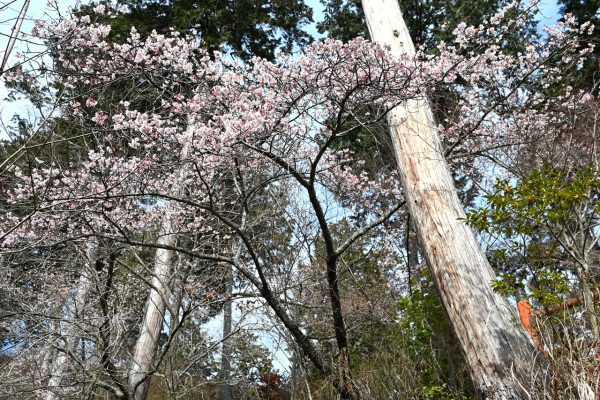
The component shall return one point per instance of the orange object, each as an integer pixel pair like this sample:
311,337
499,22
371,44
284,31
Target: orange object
526,314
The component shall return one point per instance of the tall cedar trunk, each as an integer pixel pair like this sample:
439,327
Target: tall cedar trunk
144,352
295,376
583,273
496,350
147,343
70,337
226,351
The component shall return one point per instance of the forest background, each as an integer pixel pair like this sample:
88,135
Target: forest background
104,307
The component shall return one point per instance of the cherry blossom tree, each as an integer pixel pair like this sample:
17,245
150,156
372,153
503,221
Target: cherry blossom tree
224,164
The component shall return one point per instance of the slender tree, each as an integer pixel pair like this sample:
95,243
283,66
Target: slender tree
143,362
73,313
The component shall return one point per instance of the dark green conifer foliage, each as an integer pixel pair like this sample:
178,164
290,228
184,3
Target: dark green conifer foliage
245,27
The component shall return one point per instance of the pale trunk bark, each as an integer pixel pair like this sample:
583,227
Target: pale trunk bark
49,356
588,299
173,380
143,360
226,350
145,348
295,376
496,350
69,338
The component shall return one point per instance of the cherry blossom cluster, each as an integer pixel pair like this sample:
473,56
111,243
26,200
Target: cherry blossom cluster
202,135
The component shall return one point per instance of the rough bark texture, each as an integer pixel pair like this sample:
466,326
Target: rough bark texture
145,348
588,299
226,350
70,337
347,388
496,349
50,354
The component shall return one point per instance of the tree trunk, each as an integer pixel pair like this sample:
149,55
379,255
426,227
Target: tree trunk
497,351
226,350
588,299
295,375
348,390
50,354
412,253
70,337
144,352
147,343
